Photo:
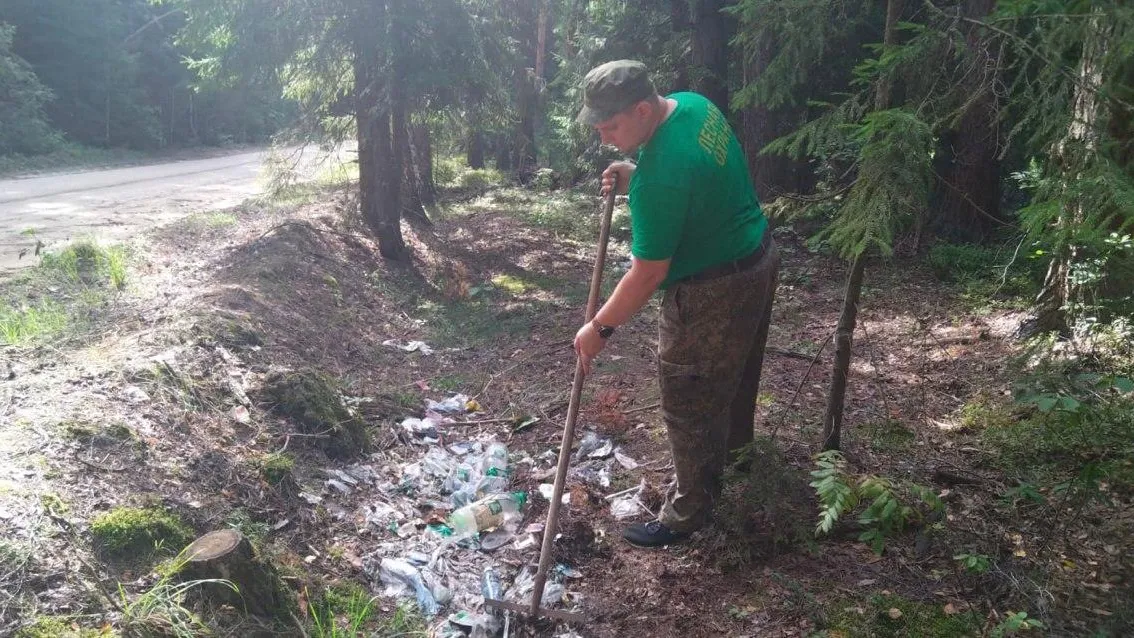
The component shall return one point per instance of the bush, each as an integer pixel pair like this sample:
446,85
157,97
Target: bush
313,400
962,262
446,170
480,179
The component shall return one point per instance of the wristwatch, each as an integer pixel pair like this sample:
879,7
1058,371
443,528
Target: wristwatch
603,331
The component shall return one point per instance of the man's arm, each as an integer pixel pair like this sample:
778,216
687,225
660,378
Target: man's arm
633,291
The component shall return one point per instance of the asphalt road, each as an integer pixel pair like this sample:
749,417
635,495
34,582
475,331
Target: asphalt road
113,205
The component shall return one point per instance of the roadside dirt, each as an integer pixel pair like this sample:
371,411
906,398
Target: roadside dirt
116,204
499,298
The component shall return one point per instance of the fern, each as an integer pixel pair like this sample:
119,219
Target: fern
836,495
886,513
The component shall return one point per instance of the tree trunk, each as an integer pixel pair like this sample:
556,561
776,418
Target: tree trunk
423,163
402,154
680,22
227,555
772,174
502,153
969,184
541,38
379,171
711,34
844,342
475,151
524,79
844,333
1054,305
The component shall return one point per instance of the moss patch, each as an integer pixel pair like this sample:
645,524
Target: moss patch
59,627
129,531
276,468
887,616
312,400
888,435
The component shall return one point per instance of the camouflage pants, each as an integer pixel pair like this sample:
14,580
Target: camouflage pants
711,348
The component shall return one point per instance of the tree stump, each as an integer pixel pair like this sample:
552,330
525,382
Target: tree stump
227,555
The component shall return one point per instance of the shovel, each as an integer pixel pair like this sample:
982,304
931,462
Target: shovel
534,610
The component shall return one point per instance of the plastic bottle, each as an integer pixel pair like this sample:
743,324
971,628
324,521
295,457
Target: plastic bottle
495,469
490,586
487,513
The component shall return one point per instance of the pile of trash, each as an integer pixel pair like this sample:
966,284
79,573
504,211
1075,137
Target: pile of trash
454,529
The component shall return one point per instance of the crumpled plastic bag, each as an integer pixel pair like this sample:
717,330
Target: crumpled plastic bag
456,404
401,578
411,346
424,429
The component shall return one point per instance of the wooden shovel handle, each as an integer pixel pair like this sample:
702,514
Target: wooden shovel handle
572,411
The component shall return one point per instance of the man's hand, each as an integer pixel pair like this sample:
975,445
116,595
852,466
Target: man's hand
588,344
622,170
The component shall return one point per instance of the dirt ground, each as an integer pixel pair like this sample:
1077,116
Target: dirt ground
496,288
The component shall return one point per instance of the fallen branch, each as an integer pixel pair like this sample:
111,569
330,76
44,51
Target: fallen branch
643,408
105,468
799,388
788,353
287,438
481,421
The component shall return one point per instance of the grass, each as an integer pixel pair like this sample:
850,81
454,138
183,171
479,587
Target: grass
986,276
30,323
161,611
1060,444
346,610
61,293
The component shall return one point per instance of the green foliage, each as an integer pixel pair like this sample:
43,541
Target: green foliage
346,610
888,434
961,262
255,531
1015,623
975,563
352,603
479,179
68,155
130,532
1070,438
805,41
763,510
892,185
888,511
836,495
23,124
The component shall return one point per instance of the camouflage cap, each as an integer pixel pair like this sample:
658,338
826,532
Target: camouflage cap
611,88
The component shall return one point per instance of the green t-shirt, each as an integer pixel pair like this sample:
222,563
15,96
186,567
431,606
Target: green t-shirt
691,198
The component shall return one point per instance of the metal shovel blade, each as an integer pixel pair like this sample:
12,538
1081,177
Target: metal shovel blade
525,610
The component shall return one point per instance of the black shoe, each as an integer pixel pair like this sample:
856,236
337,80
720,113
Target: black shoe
652,534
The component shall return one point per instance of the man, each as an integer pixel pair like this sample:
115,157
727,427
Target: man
700,235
